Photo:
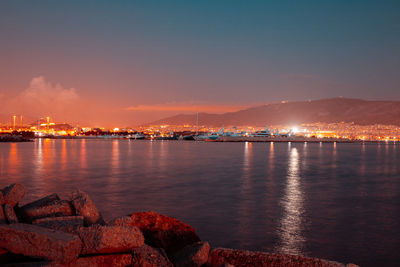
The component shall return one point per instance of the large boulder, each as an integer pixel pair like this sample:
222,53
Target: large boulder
44,208
13,193
35,241
68,224
40,202
27,212
85,207
239,258
98,239
194,255
146,256
10,214
161,231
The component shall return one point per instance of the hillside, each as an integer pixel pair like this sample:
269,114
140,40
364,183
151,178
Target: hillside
362,112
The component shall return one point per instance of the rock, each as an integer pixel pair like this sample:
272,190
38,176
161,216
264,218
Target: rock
27,212
2,215
2,201
161,231
40,202
109,239
194,255
43,209
10,214
84,206
13,193
125,220
67,224
239,258
115,260
35,241
146,256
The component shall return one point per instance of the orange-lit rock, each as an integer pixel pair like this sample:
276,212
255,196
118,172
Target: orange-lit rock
161,231
30,208
149,256
35,241
67,224
10,214
98,239
40,202
43,209
125,220
241,258
194,255
85,207
13,193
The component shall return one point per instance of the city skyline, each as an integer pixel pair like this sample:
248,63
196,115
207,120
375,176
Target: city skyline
128,63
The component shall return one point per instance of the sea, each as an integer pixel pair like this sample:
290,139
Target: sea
337,201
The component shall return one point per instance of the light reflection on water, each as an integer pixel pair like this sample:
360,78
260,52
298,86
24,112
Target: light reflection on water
13,158
290,230
246,195
334,201
115,158
38,165
64,155
83,154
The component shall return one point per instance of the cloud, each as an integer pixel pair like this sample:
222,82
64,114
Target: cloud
186,108
42,98
44,95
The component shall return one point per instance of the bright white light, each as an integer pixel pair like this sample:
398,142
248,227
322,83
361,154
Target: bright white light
116,129
295,129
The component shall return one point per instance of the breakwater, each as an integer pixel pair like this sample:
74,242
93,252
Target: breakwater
71,232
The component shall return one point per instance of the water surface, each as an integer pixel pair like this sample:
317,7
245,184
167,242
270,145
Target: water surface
333,201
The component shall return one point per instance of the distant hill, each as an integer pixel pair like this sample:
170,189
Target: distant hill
332,110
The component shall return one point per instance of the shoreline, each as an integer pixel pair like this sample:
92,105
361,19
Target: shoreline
20,139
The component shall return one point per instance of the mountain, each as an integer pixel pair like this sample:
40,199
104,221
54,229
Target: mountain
362,112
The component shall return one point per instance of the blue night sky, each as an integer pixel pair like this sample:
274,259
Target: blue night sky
136,57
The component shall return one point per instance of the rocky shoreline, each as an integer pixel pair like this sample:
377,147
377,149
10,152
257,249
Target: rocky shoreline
57,232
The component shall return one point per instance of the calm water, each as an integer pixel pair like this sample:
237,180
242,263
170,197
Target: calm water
340,202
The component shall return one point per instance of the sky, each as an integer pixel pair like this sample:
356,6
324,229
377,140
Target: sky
123,63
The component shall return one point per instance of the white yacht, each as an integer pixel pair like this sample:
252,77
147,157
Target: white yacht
264,133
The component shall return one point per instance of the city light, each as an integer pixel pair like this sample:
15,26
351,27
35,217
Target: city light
345,131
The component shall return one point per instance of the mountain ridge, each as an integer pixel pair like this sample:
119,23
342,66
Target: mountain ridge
330,110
